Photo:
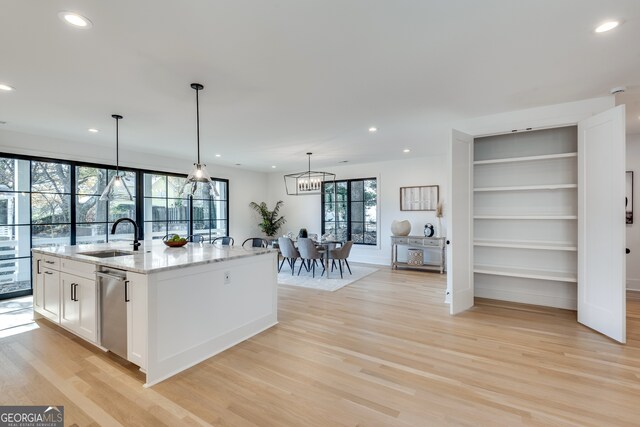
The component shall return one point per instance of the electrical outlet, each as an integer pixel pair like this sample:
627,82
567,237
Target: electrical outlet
227,278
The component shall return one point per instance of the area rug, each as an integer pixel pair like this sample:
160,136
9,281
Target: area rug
333,283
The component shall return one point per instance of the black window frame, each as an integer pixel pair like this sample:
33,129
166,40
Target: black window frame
348,202
73,164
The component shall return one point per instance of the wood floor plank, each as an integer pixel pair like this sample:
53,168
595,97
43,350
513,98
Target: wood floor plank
382,351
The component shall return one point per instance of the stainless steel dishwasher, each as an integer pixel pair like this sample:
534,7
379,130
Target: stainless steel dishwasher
114,295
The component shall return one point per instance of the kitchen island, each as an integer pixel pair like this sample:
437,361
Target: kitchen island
179,306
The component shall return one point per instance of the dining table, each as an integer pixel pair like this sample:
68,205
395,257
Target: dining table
327,246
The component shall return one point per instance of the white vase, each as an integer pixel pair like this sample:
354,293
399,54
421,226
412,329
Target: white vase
400,228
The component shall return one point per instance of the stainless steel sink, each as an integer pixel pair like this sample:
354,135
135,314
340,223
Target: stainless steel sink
107,254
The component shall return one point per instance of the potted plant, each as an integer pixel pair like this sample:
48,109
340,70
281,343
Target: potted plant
271,223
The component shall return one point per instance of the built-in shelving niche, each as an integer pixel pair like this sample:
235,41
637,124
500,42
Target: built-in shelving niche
525,217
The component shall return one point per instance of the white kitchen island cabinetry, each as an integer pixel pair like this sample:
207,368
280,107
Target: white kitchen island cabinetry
183,305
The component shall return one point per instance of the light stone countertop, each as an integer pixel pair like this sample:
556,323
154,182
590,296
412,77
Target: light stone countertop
153,256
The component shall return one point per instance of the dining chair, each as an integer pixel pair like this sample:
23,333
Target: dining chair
341,254
289,253
256,242
309,254
223,241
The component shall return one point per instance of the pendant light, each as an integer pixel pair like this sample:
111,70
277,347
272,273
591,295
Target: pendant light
307,182
117,188
199,173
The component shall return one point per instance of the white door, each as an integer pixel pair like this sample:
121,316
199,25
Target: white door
601,223
460,223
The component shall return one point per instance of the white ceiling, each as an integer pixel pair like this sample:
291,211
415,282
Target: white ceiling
284,77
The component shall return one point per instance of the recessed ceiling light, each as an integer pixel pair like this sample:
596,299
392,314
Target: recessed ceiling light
343,161
75,20
273,167
406,150
373,129
2,122
5,87
607,26
92,130
238,164
218,155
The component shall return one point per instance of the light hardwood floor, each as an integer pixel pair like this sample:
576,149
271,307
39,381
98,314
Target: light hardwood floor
380,352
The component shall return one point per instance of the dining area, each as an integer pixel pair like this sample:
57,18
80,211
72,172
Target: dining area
326,253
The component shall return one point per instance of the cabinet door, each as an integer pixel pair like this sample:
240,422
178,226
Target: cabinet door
137,319
460,224
38,278
70,311
51,294
601,223
87,302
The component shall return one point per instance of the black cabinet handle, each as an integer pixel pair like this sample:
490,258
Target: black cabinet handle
49,262
71,288
75,292
628,250
48,272
38,267
448,242
126,291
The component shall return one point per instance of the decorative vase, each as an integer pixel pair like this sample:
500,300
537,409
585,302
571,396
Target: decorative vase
400,228
439,230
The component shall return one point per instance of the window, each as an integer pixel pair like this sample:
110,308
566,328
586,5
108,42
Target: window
94,218
349,210
15,227
210,213
48,202
166,213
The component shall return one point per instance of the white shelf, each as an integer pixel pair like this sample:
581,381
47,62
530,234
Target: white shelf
528,187
536,217
528,244
525,159
558,276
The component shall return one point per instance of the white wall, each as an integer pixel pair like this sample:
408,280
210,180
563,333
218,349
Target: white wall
304,211
244,186
633,230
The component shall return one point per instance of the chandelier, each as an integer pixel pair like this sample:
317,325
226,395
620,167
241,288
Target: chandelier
307,182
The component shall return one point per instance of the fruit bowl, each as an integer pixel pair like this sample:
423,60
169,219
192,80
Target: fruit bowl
174,241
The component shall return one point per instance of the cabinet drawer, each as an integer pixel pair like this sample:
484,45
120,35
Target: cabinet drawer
52,262
399,240
431,242
414,241
78,268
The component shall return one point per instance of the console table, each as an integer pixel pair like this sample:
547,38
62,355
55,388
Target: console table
418,242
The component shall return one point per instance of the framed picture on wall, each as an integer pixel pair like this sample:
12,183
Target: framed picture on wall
628,199
423,198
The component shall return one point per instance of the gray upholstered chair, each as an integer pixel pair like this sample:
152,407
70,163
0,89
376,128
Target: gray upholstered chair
289,253
341,254
309,254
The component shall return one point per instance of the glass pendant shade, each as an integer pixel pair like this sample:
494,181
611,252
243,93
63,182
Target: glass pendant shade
199,175
117,188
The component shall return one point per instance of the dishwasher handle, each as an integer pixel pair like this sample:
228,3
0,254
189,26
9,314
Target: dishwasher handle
110,276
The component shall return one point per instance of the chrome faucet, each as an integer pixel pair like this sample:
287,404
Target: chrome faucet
136,244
